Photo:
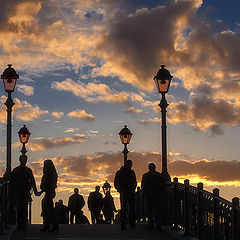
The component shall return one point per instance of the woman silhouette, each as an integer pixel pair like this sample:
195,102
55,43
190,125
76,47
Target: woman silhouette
48,185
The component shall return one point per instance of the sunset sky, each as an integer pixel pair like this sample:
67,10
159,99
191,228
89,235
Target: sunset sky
86,69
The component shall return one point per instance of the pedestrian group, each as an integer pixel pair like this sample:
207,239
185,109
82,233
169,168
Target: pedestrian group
102,209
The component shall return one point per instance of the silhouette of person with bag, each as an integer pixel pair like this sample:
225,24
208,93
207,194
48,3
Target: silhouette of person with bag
152,186
125,182
95,204
48,185
75,204
22,181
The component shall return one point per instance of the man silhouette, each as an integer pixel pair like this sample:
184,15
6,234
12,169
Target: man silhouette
75,205
152,186
125,182
22,181
95,204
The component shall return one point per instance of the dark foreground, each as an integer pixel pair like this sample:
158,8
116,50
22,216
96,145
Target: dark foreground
82,232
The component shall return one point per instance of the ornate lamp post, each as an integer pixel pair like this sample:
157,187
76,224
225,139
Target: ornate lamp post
24,135
106,187
9,78
125,136
163,80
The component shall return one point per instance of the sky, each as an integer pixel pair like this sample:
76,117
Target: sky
86,69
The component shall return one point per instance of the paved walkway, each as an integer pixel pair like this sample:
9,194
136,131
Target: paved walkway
82,232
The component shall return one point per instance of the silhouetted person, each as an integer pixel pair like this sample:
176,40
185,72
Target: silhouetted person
152,186
125,182
95,204
108,207
82,219
61,212
48,186
22,180
75,205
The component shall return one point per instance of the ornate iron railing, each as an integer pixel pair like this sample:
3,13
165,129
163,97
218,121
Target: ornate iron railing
4,206
201,213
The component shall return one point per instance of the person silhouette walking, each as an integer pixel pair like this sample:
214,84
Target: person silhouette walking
48,185
152,186
22,181
95,204
125,183
75,204
108,207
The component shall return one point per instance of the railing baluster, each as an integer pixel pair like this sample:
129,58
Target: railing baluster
175,202
200,211
186,207
235,219
216,223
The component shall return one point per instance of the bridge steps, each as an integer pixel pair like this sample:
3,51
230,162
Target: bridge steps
83,232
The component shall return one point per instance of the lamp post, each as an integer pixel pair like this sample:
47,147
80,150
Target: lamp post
24,135
163,80
9,78
125,136
106,187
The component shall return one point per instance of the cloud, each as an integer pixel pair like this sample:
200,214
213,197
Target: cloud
204,113
133,110
216,170
71,130
38,144
22,110
95,92
102,166
57,114
25,89
81,114
150,120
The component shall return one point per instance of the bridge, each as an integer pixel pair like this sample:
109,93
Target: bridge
192,213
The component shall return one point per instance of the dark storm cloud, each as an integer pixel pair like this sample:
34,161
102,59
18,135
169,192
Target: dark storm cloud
204,113
220,171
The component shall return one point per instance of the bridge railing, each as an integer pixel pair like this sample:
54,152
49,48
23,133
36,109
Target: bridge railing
201,213
4,206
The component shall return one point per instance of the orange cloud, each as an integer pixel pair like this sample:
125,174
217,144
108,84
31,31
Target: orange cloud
81,114
57,114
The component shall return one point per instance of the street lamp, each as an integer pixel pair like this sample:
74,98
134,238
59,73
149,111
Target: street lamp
163,80
9,78
24,135
106,187
125,136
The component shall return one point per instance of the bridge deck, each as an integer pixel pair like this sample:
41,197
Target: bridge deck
82,232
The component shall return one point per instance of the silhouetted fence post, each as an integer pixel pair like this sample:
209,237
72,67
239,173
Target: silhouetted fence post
200,211
186,207
175,203
216,223
235,218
